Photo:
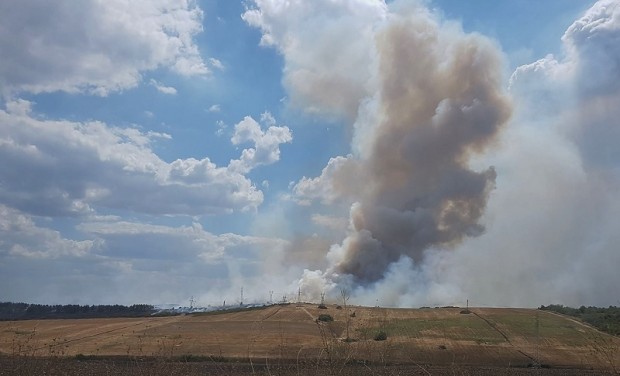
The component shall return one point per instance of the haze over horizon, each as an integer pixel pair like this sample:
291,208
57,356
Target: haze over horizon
415,152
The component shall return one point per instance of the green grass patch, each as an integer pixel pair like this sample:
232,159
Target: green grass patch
533,325
464,328
604,319
548,326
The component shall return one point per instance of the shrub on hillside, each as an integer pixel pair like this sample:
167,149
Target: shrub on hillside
325,317
381,336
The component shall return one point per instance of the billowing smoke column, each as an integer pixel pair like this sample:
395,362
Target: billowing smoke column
425,98
440,102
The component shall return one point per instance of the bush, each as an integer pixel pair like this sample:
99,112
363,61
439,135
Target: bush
325,317
322,306
381,336
465,312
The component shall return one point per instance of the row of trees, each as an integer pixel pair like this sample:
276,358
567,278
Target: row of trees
604,319
22,311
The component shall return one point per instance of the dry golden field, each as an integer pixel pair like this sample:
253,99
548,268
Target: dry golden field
419,339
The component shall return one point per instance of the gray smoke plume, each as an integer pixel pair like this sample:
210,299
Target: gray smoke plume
427,103
440,102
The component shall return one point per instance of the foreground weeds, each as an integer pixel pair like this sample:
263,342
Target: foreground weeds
102,366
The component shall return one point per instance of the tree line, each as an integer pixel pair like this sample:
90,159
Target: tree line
603,319
25,311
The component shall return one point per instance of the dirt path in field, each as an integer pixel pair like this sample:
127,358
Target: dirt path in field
498,330
309,314
569,318
103,333
268,316
62,343
493,326
580,323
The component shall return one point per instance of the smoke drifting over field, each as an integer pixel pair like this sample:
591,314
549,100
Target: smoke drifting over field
433,98
433,118
437,100
440,100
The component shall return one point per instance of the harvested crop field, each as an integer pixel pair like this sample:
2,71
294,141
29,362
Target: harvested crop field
289,337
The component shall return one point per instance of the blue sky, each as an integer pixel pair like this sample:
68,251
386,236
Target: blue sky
155,151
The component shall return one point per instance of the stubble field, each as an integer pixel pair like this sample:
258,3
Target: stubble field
288,339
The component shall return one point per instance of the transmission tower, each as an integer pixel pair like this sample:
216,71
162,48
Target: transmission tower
191,302
241,302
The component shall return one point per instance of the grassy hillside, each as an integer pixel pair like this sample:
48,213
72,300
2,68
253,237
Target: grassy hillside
604,319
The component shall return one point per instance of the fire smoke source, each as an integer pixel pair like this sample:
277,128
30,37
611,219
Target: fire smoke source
440,102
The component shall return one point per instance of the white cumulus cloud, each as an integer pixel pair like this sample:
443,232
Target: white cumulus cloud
327,49
267,143
60,168
214,108
163,88
94,46
341,178
21,237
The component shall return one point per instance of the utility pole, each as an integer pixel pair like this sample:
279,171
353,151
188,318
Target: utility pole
345,298
537,353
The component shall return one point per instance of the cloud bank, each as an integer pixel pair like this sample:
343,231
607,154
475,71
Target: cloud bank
132,260
63,168
60,170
